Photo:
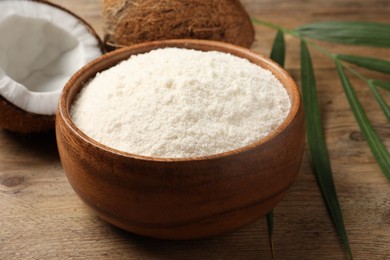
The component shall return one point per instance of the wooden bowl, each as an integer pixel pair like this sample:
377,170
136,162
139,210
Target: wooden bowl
184,198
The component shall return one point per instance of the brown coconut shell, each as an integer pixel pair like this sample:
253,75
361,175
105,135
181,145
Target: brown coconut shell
127,22
17,120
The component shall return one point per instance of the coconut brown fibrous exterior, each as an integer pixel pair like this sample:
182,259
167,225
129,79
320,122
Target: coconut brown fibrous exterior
127,22
17,120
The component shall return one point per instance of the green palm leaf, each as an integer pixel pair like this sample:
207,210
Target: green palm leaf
278,49
367,62
382,103
317,145
278,55
354,33
270,223
382,84
377,147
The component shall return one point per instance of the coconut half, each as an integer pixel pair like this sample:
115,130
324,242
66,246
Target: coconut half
42,45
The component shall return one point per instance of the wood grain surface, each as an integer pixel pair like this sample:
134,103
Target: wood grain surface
42,218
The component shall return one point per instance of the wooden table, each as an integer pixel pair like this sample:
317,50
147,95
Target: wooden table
42,218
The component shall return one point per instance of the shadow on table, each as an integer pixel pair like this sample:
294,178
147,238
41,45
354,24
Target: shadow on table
250,242
42,145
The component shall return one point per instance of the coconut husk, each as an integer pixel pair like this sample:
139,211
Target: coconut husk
127,22
17,120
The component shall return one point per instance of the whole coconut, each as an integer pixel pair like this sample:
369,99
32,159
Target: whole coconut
128,22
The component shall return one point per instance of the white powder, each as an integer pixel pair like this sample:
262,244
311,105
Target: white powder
181,103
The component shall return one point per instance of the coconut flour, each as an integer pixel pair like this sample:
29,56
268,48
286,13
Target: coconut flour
181,103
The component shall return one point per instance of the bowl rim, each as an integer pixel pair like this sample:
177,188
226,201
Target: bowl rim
91,69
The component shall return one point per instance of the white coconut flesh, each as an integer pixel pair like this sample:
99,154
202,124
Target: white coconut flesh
41,47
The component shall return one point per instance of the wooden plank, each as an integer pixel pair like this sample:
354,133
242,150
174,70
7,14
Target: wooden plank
42,218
